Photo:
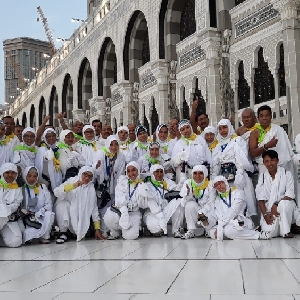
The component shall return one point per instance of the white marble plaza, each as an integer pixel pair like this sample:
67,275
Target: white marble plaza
153,268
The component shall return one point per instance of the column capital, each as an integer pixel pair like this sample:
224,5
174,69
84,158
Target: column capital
288,9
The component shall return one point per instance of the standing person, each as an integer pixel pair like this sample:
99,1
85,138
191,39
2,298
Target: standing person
174,133
47,161
190,150
87,146
13,140
6,151
76,205
69,159
198,199
230,204
158,210
38,206
275,195
123,133
109,165
25,153
77,128
18,132
249,124
198,122
270,136
132,136
105,133
125,215
97,124
10,200
210,136
140,146
230,161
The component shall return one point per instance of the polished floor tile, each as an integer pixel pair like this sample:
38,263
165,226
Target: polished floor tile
90,296
171,296
293,266
98,273
252,297
231,250
40,277
153,277
268,277
209,277
28,296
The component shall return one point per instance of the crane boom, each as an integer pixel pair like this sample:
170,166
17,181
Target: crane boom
47,29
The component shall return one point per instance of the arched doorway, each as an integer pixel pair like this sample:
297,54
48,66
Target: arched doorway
42,110
53,107
85,88
24,120
32,117
67,97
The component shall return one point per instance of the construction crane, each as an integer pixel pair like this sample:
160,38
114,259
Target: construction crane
47,29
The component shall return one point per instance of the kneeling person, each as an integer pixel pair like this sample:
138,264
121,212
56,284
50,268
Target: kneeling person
275,195
76,204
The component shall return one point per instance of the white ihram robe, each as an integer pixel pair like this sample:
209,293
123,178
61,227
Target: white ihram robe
272,191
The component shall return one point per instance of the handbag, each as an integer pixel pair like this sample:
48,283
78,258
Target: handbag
172,195
103,196
31,221
228,170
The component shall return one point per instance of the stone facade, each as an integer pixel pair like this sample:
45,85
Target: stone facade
141,61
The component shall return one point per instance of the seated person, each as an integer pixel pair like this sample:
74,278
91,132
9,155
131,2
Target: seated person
125,215
198,202
76,204
275,195
10,200
230,205
140,146
158,210
37,206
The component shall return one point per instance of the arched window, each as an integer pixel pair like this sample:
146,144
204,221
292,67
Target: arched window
243,88
188,21
281,73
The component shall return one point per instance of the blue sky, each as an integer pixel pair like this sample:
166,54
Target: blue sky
19,18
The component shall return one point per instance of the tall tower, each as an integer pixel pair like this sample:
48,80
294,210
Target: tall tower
91,4
23,58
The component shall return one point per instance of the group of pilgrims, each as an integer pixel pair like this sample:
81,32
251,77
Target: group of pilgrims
187,180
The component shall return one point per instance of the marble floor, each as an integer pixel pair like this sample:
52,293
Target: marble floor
153,268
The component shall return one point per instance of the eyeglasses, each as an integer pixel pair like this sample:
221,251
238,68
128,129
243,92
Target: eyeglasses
159,171
90,176
29,136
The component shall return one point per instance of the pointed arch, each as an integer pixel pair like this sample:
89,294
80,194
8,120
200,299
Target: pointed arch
67,97
42,110
24,120
32,122
85,88
53,107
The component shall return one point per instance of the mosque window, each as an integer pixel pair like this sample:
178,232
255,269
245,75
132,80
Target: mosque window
188,21
281,73
237,2
146,49
264,89
154,117
213,13
243,88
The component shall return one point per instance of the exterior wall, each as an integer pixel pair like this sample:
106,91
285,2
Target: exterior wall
200,56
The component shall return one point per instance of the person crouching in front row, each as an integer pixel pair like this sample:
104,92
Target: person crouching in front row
76,204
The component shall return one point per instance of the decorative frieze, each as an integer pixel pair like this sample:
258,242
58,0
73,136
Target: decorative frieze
191,56
147,79
116,98
255,20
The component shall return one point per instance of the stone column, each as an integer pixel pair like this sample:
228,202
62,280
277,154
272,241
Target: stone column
291,41
236,105
213,105
277,104
252,94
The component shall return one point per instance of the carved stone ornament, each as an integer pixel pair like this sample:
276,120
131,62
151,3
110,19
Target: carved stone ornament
135,91
173,67
287,8
191,56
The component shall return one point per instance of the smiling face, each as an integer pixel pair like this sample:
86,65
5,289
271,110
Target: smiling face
209,137
186,131
10,176
223,130
123,135
220,186
98,127
69,139
132,172
198,176
271,164
154,152
143,137
89,134
114,147
131,128
10,125
203,121
87,177
106,131
51,138
77,127
264,118
29,138
159,174
163,133
32,177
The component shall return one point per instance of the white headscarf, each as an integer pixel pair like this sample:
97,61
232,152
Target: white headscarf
210,129
48,130
63,134
134,164
221,178
224,140
7,167
155,168
86,169
28,129
184,122
158,128
110,139
122,128
88,127
30,169
200,168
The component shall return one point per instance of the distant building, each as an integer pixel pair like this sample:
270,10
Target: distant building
23,58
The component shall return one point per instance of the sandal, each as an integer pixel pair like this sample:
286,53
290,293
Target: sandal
289,236
295,229
61,239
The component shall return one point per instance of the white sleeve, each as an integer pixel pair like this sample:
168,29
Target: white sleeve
289,192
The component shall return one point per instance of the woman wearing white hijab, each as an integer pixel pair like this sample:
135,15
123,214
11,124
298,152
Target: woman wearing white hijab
230,204
190,150
38,204
230,160
10,200
125,215
6,151
198,199
69,159
109,165
87,146
166,144
25,153
76,204
123,133
47,161
158,210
